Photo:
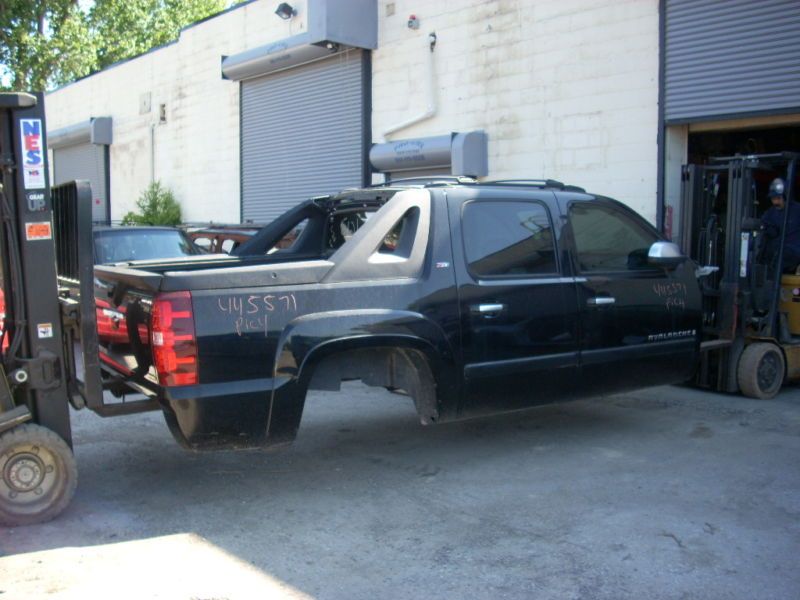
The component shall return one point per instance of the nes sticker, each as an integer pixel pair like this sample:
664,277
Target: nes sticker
38,231
33,167
45,330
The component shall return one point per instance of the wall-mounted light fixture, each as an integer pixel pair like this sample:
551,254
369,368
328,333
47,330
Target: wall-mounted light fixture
285,10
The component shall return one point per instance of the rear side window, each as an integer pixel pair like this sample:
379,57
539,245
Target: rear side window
401,237
508,239
609,239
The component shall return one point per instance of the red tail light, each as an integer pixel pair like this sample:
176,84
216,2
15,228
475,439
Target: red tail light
111,325
173,339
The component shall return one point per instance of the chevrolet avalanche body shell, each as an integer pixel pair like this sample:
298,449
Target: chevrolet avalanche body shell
470,298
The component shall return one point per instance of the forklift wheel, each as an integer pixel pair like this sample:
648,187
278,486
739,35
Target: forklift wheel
38,475
761,370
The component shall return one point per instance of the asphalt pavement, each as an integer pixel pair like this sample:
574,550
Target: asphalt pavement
664,493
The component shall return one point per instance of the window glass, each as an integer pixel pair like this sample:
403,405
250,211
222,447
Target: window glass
508,238
130,243
401,237
392,239
608,239
228,245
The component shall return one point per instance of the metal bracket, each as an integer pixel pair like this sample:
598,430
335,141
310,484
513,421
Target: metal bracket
44,371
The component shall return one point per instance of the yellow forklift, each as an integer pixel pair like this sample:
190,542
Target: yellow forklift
751,307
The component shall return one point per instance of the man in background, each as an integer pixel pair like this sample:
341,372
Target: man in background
772,221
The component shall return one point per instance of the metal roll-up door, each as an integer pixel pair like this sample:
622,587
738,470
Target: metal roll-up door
84,161
302,134
725,58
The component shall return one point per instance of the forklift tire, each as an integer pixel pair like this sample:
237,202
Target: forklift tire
38,475
761,370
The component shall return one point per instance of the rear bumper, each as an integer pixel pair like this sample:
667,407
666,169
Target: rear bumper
231,415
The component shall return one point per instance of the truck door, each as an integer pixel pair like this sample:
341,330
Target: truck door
639,323
518,312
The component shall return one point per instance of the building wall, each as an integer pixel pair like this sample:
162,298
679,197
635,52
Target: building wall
566,89
196,151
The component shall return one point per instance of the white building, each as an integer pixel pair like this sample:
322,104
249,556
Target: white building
248,113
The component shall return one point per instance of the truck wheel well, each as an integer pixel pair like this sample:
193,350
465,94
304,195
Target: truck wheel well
391,368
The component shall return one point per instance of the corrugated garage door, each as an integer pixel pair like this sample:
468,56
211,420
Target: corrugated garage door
84,161
302,134
724,58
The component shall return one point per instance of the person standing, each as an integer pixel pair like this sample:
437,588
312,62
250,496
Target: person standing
772,222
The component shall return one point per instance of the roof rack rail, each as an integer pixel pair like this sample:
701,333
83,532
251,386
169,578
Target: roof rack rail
541,183
432,180
532,182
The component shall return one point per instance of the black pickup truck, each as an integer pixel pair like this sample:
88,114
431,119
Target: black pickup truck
471,298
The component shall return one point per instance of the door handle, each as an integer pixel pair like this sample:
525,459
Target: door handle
487,310
601,301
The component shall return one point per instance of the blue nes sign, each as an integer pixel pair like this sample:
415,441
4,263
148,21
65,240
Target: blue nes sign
33,157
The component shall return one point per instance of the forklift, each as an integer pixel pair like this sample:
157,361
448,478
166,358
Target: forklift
50,359
751,308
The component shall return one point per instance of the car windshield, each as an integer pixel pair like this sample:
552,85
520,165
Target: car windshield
146,244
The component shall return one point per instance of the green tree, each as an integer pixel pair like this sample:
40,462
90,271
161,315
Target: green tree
157,206
46,43
126,28
43,43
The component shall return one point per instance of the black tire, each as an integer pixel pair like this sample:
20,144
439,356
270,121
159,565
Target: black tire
761,370
38,475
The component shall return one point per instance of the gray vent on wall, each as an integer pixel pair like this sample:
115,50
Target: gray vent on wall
333,26
96,130
451,154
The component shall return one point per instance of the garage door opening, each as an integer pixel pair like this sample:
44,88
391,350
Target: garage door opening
697,144
707,144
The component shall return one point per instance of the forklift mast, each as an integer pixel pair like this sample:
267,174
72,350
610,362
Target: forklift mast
34,360
49,328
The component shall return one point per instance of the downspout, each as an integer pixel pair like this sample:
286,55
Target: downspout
431,109
152,153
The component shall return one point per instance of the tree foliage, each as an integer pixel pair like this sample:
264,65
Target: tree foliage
130,27
44,42
157,206
47,43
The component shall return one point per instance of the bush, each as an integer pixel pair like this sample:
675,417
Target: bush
157,206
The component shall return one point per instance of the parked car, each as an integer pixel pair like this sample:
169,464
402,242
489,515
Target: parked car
126,244
472,298
218,239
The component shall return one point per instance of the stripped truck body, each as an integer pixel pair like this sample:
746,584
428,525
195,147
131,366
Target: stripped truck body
414,288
